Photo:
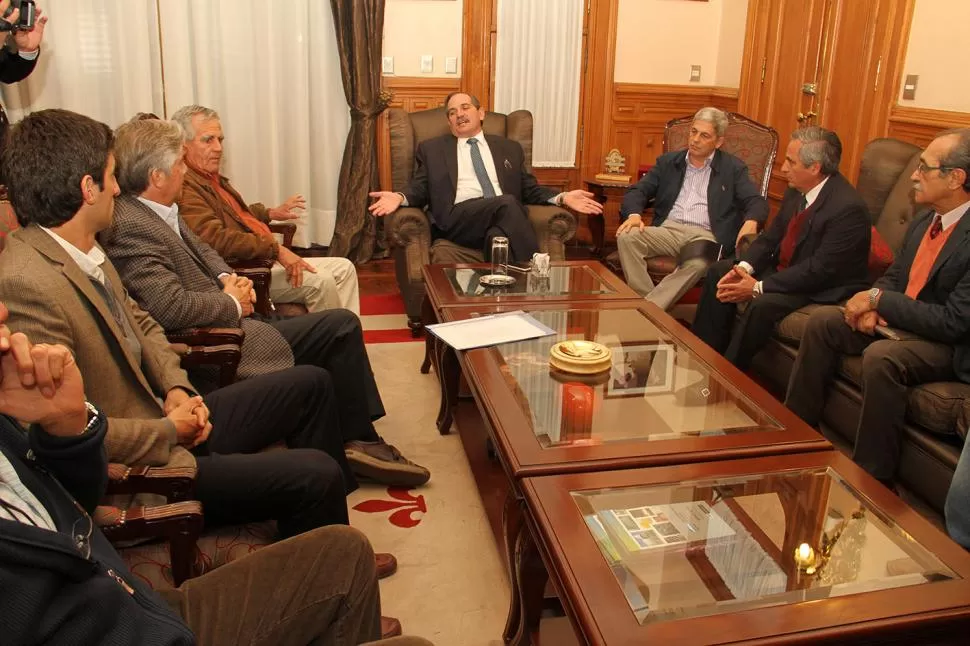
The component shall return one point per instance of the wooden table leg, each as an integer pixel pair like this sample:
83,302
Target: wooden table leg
449,375
512,527
427,315
597,229
531,577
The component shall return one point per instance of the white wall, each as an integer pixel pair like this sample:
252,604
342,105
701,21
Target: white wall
413,28
937,43
658,40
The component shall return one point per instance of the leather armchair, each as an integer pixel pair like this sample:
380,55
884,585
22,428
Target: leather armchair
409,230
258,271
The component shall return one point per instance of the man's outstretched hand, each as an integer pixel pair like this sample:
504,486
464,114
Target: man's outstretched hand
581,201
291,209
387,202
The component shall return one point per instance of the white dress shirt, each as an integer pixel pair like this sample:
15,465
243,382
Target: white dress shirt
469,187
691,206
90,262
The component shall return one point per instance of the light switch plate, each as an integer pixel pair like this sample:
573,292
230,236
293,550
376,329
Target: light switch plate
909,87
387,65
695,73
451,64
427,64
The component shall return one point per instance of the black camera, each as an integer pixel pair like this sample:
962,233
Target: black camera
28,11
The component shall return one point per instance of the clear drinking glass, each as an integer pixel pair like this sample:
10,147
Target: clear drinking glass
500,256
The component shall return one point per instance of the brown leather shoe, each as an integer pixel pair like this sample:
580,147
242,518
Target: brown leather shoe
381,462
390,627
386,564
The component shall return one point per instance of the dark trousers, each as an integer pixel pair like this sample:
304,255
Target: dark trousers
302,488
316,588
739,340
473,224
333,340
889,368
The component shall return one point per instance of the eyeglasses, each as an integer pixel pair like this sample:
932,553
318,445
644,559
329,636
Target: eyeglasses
81,532
923,168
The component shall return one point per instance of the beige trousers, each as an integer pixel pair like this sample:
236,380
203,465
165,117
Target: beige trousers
334,285
666,240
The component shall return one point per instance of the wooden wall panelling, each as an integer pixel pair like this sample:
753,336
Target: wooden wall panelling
477,48
921,125
598,101
411,94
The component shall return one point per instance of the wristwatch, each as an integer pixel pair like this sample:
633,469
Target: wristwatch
874,297
93,416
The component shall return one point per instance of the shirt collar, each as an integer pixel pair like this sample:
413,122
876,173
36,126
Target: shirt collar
952,217
90,262
169,214
707,162
812,195
479,137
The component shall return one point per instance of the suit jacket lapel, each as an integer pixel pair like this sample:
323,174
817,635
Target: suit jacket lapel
715,188
815,207
48,247
451,159
502,164
956,240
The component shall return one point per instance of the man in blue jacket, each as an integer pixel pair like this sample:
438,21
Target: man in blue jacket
63,583
703,202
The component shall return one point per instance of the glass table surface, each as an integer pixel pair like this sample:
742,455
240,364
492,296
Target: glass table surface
656,389
563,280
718,546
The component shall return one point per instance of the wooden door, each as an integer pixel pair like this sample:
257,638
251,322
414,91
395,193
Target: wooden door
783,62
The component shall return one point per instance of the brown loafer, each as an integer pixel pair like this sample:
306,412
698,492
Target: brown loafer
381,462
390,627
386,564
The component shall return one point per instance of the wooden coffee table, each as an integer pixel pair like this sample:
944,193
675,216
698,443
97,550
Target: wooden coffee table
669,400
705,553
457,285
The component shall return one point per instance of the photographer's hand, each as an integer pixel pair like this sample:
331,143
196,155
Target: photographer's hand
29,41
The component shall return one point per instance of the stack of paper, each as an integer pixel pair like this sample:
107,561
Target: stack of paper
489,330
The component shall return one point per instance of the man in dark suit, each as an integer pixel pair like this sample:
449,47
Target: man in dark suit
815,251
925,297
703,202
183,283
476,185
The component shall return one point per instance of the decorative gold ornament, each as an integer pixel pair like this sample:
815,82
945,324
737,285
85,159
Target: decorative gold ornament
615,163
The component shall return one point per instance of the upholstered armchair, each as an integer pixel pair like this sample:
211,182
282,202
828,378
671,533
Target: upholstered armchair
409,229
751,142
258,271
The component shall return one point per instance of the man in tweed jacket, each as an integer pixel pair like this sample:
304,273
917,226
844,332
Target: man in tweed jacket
59,288
183,283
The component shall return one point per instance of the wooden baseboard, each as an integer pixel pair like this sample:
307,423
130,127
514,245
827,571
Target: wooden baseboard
920,126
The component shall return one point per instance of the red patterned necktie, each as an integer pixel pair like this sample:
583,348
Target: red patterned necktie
936,227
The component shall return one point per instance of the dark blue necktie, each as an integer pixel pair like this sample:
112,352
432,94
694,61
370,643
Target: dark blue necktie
479,165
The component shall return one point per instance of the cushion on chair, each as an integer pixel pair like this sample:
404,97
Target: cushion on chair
791,328
898,211
885,163
880,256
938,406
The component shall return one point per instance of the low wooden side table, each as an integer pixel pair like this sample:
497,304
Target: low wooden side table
610,195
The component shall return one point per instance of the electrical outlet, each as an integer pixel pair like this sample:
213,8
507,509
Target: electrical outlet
427,64
909,87
387,65
695,73
451,64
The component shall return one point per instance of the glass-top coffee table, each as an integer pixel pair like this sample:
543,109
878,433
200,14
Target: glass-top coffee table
802,548
457,285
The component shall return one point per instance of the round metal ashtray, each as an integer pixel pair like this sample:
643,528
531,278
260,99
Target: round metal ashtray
497,280
580,357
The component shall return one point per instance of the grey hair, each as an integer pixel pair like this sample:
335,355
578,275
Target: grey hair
144,146
474,99
184,115
819,145
715,117
958,157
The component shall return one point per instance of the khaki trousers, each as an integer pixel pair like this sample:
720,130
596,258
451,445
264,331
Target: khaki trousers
316,588
334,285
664,240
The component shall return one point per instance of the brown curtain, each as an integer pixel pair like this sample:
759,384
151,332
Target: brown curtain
360,28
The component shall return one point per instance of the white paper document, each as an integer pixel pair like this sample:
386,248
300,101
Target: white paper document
489,330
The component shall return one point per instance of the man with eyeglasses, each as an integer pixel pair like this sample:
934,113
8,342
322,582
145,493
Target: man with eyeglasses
922,304
704,203
65,583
